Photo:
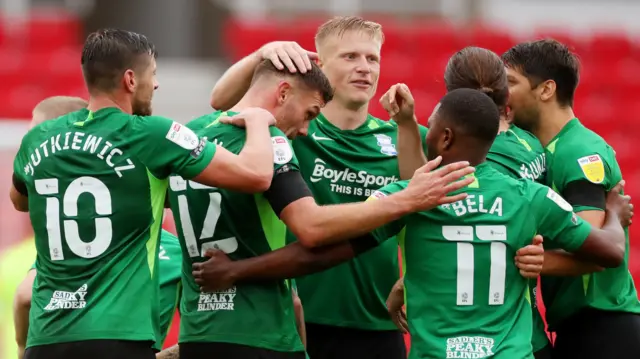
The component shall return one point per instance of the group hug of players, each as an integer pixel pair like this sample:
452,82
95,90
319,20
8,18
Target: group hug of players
292,178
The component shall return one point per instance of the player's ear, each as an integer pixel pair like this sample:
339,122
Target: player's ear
547,90
284,91
447,138
129,80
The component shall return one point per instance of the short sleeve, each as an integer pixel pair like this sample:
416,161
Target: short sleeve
423,137
556,220
579,162
389,230
165,147
284,158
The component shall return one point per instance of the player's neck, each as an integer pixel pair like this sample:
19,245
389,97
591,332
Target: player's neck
343,117
552,123
253,98
504,125
99,101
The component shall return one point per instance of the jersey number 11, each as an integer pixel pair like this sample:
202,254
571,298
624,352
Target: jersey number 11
497,235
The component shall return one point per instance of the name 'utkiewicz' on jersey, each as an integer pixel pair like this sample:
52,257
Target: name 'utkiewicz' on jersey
465,296
96,184
243,226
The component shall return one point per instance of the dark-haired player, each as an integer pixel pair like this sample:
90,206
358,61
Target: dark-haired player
515,152
257,321
594,315
94,183
466,297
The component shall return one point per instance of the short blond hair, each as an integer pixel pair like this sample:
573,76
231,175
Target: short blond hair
56,106
338,25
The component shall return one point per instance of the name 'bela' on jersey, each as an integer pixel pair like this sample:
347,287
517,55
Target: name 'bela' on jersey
344,166
243,226
465,295
96,184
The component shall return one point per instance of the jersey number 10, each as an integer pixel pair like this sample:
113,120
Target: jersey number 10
466,265
104,230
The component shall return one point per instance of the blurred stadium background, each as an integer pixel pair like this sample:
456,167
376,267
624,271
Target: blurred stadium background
41,40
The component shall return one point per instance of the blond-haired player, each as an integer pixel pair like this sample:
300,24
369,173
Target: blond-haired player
347,155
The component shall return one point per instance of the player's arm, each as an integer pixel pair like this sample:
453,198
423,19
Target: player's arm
170,147
395,302
18,194
561,263
299,312
169,353
589,199
399,103
316,226
235,82
602,246
21,307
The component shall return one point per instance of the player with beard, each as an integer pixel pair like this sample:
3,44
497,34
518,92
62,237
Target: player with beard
94,183
594,315
347,155
254,321
487,313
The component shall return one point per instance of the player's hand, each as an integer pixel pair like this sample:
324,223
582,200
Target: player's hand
215,273
399,104
287,54
248,115
531,258
395,302
620,204
430,185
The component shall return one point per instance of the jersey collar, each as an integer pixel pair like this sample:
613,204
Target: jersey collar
365,127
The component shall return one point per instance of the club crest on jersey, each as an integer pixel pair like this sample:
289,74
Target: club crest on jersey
593,168
282,152
386,145
182,136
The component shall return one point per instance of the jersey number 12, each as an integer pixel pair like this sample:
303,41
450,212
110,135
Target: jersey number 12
466,266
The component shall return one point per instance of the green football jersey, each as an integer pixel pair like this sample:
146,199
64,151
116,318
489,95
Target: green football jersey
343,166
96,184
243,225
170,273
518,154
465,295
577,153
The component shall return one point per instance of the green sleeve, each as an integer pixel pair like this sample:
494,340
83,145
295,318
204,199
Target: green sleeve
579,162
165,147
423,137
389,230
556,220
21,167
284,159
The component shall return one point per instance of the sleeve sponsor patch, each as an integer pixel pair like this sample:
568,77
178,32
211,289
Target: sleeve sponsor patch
376,195
282,152
283,169
182,136
552,195
593,168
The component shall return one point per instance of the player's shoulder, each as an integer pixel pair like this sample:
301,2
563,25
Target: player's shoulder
525,138
379,126
390,188
577,142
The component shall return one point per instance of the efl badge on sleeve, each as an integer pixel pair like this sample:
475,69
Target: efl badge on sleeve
282,152
593,168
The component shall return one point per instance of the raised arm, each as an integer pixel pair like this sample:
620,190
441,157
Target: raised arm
399,103
18,195
235,82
